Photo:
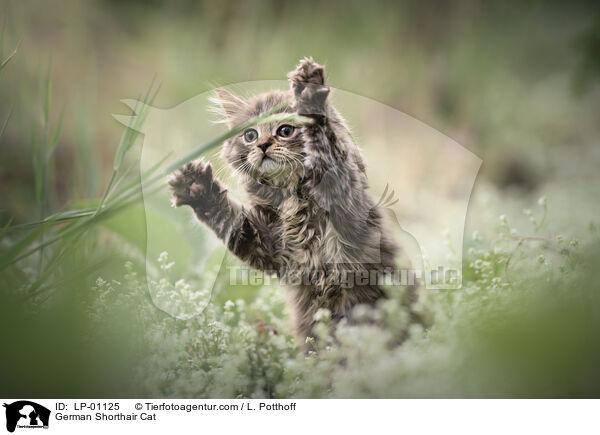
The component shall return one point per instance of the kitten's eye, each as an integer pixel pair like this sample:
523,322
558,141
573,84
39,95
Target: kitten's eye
285,131
250,135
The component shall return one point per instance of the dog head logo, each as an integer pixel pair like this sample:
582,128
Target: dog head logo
26,414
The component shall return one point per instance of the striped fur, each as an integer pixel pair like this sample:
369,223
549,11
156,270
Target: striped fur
309,219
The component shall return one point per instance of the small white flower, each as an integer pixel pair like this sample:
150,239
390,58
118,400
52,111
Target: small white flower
574,243
322,315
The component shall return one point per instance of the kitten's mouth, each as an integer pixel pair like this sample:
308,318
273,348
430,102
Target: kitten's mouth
268,163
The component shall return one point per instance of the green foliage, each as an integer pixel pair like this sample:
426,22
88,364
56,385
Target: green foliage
510,333
75,324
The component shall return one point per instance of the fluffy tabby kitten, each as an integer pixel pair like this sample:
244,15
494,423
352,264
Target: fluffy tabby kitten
310,218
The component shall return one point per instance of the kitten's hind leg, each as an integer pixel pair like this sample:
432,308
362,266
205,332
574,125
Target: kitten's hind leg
308,84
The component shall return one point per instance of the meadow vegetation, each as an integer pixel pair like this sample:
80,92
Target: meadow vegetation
515,86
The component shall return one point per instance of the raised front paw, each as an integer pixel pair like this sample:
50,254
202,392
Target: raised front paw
308,71
308,84
194,185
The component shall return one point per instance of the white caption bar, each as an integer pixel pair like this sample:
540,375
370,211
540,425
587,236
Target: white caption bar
263,417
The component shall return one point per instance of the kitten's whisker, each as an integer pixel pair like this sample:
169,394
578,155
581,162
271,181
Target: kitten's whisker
295,161
244,169
298,157
225,167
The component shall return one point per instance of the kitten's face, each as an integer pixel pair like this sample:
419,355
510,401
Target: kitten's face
271,153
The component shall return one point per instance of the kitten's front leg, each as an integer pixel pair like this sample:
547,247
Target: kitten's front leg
335,179
241,230
310,91
195,186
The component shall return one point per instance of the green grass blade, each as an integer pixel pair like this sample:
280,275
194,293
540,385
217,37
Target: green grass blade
76,214
54,140
141,179
133,129
6,122
269,116
77,226
107,191
128,139
55,219
5,230
37,171
52,264
10,56
8,257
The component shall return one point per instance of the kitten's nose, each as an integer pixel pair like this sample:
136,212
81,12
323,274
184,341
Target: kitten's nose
264,146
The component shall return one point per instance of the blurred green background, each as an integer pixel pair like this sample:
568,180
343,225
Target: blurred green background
514,82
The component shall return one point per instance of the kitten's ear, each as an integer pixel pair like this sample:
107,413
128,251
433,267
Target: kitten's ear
229,104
